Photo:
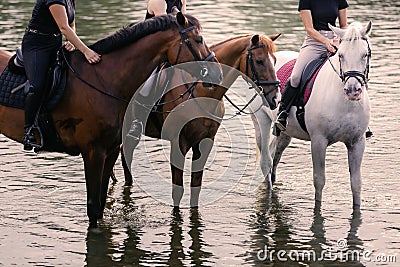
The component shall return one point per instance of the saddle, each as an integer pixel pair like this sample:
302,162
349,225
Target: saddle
14,86
308,77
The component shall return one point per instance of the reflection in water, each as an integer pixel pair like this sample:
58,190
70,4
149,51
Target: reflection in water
101,248
273,243
197,255
177,255
272,227
105,247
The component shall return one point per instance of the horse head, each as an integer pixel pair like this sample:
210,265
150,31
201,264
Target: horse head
191,47
354,55
260,61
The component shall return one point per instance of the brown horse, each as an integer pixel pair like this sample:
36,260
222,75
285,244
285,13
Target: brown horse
89,116
250,55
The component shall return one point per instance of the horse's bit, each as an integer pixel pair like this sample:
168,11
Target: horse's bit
362,77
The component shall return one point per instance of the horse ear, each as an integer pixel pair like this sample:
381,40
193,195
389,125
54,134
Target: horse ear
255,39
339,32
275,36
181,19
367,29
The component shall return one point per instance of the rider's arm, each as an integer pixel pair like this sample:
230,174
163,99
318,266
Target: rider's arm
157,7
60,16
308,25
343,18
183,6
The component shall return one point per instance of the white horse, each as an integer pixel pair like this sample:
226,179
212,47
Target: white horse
338,110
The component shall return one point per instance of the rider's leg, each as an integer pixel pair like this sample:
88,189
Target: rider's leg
38,52
32,104
310,50
288,96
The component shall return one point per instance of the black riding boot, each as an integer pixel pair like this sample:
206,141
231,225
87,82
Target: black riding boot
32,104
288,96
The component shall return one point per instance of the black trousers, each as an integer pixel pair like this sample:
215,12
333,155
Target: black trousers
39,51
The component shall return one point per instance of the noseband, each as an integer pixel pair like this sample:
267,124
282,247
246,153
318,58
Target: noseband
250,62
362,77
185,39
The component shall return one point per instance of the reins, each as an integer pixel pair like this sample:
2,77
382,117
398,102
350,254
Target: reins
77,75
259,83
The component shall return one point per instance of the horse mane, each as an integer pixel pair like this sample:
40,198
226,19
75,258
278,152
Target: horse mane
135,31
263,38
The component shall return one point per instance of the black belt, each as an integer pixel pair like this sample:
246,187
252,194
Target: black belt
42,33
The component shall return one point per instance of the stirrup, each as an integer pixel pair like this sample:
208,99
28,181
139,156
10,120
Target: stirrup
29,140
278,124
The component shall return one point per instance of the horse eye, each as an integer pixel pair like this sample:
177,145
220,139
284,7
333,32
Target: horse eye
260,62
199,40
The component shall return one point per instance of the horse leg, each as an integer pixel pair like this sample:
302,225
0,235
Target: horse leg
127,172
262,126
355,154
318,153
179,150
108,166
201,151
277,146
94,166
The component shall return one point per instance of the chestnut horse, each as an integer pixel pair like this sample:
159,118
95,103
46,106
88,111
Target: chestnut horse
251,56
89,116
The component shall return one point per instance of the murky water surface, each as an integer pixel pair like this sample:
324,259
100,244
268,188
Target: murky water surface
43,199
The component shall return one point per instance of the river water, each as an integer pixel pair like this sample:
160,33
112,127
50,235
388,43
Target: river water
43,199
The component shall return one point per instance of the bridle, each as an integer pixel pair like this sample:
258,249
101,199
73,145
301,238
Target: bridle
250,62
362,77
185,39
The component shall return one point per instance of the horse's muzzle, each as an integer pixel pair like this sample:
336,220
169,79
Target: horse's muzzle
353,92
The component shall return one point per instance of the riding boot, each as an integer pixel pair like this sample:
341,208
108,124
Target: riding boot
288,96
32,104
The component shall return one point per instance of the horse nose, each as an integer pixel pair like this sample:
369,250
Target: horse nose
353,92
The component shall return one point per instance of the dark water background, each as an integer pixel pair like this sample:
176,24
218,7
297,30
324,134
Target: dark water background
43,199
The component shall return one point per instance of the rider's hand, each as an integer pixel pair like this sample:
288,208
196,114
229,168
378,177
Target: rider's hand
335,41
329,45
91,56
69,46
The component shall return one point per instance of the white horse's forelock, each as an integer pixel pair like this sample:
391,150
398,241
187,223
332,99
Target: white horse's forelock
353,31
